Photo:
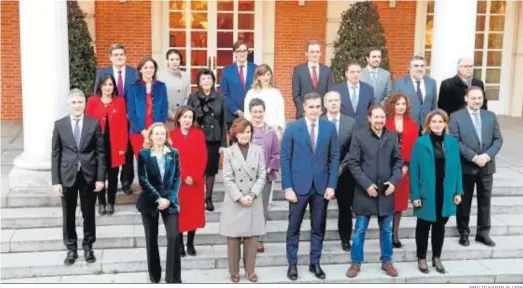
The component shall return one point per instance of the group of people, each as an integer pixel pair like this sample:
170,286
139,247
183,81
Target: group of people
373,145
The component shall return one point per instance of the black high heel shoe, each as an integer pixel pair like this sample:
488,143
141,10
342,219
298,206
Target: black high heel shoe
424,270
436,262
397,244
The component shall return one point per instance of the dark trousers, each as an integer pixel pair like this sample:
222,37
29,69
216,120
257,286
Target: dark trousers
127,175
112,187
345,197
483,184
437,237
173,273
318,211
87,205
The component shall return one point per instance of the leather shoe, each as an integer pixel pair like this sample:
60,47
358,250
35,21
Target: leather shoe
127,190
292,272
191,250
353,270
71,257
89,256
486,241
436,262
318,272
182,250
345,245
101,210
110,209
208,205
389,269
464,240
422,266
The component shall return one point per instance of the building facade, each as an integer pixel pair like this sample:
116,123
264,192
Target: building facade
489,31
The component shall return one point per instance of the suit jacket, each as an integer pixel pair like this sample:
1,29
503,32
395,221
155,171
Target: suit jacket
242,176
383,84
365,100
116,113
452,94
302,84
65,155
231,88
347,127
136,104
131,75
302,166
154,186
462,127
419,110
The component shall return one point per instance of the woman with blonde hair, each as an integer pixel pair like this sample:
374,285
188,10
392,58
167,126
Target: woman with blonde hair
436,160
264,88
159,174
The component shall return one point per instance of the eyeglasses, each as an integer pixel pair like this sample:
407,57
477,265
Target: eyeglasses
242,51
467,66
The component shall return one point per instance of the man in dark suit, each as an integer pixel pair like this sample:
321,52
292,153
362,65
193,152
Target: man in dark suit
420,88
309,164
124,76
78,167
310,77
345,127
356,96
480,140
236,81
452,91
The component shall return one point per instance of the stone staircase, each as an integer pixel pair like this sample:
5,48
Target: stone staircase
33,251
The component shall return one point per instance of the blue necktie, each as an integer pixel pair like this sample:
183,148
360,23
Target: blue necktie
77,133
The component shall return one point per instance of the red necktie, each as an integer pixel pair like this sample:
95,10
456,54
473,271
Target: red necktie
314,77
242,79
120,83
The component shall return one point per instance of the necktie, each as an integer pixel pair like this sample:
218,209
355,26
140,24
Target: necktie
120,83
335,121
314,77
77,133
477,125
313,136
354,98
242,78
373,76
418,91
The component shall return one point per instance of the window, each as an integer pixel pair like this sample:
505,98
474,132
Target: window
490,28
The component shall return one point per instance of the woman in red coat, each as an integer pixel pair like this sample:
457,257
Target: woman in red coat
399,120
110,110
189,140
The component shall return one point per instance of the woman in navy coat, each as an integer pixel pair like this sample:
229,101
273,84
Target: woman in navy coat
436,186
159,174
146,102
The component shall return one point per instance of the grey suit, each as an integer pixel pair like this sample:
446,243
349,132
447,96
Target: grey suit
382,85
74,181
302,84
461,126
419,110
345,187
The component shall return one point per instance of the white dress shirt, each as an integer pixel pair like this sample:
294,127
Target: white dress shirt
421,86
274,106
316,129
310,64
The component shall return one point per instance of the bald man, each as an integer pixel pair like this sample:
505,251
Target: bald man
452,91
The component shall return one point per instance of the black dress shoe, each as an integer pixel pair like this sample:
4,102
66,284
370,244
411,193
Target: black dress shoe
127,190
191,250
110,209
345,245
318,272
208,205
89,256
292,272
101,210
71,257
486,241
464,240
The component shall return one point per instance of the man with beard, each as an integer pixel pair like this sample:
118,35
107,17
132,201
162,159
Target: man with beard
375,162
375,76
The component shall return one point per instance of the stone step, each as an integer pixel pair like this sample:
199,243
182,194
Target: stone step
41,217
42,264
130,236
461,271
45,197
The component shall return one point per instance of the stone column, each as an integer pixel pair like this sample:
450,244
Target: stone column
45,85
453,36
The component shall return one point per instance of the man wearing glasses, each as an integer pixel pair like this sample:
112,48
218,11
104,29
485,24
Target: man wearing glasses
236,81
453,90
420,88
